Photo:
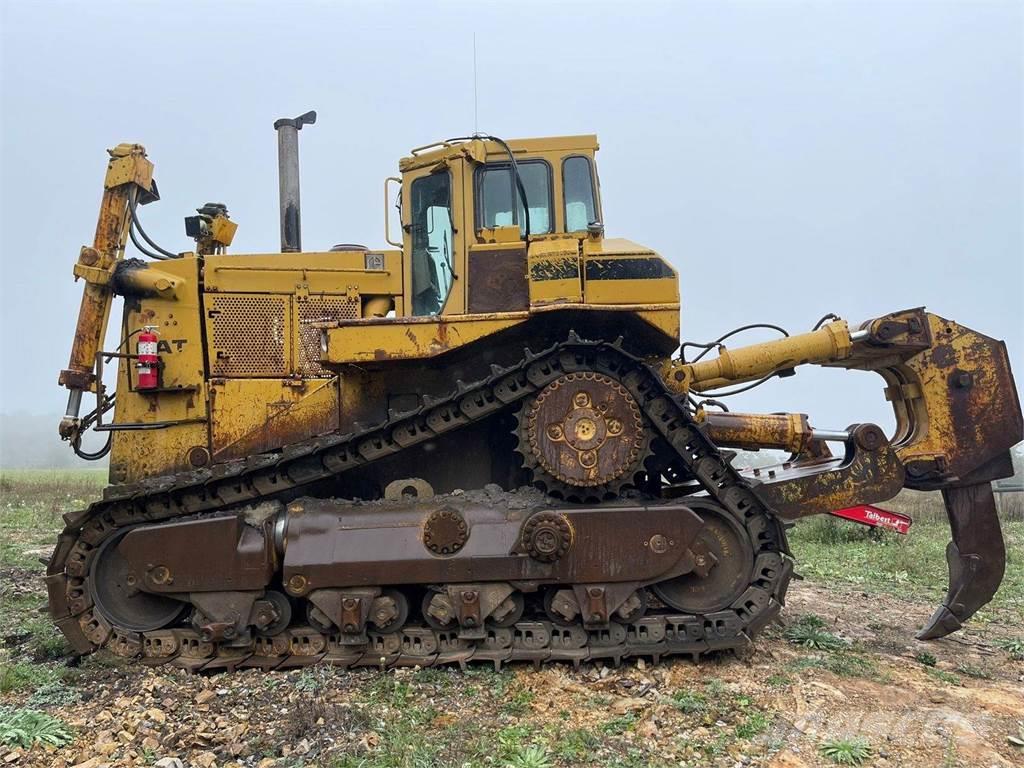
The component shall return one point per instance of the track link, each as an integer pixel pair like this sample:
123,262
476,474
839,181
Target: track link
279,473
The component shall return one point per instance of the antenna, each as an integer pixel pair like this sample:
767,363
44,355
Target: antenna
476,121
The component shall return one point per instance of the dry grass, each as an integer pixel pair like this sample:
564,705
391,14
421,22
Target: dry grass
927,506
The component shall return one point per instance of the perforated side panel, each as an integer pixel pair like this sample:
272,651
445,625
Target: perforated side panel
248,334
317,310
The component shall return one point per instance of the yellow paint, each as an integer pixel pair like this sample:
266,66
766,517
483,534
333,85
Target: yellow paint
555,256
257,415
321,272
182,399
370,340
262,350
830,343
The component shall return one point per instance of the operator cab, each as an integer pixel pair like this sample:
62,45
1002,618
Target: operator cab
471,208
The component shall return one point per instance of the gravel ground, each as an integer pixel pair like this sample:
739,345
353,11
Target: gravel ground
861,682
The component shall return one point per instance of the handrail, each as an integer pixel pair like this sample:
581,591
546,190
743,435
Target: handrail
387,215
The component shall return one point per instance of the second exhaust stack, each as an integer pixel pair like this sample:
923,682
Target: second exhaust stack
288,171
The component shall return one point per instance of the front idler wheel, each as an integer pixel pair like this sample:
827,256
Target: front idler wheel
724,564
116,593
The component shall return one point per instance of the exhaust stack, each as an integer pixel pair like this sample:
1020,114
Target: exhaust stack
288,171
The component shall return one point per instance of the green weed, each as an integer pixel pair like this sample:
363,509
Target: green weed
1014,647
22,676
619,725
778,680
846,664
808,631
517,703
28,727
973,670
533,756
945,677
754,724
53,694
689,701
577,744
846,751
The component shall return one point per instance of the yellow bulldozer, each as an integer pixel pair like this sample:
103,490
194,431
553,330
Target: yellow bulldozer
483,443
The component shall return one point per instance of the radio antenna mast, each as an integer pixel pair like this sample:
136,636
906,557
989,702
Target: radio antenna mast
476,126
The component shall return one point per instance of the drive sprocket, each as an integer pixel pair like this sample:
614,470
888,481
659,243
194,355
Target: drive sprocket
583,436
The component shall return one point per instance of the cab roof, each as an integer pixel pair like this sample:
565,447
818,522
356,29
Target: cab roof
483,149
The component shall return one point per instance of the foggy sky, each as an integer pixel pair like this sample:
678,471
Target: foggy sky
790,159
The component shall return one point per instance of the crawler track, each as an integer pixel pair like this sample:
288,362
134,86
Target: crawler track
662,632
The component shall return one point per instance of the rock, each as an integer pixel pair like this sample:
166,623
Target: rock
302,747
786,759
92,762
150,744
205,760
169,762
266,762
12,757
369,740
624,705
156,715
647,729
204,696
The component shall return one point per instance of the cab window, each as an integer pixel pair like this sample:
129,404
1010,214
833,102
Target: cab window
578,182
495,196
431,234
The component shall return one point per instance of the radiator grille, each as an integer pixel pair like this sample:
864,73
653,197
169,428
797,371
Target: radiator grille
318,310
248,335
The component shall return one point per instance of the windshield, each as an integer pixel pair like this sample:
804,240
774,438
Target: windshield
431,234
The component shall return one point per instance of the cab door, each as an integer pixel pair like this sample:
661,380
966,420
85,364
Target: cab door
433,240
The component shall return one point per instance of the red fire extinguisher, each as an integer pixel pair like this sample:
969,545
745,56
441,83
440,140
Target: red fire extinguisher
148,363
